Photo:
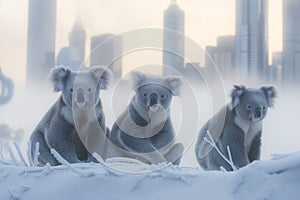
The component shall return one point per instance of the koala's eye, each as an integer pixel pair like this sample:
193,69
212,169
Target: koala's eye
90,89
264,108
71,89
145,94
249,107
163,96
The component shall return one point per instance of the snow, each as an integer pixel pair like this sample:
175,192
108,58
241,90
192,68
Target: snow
272,179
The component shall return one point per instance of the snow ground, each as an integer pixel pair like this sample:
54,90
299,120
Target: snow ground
276,179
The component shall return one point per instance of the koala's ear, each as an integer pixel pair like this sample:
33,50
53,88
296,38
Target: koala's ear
174,83
270,93
101,74
57,76
236,93
138,79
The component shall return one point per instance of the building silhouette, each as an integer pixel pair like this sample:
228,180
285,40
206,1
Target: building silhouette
274,73
194,72
173,39
106,50
222,56
291,41
74,54
40,41
251,51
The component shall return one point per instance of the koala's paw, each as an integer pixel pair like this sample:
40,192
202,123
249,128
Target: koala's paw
175,153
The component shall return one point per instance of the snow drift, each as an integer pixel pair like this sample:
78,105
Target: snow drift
274,179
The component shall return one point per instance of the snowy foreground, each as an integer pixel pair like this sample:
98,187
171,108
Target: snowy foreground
273,179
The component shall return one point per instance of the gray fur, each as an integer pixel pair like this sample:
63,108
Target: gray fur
140,140
57,129
241,130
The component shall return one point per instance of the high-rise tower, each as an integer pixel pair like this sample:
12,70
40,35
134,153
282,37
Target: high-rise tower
74,54
41,40
251,51
106,49
291,41
173,44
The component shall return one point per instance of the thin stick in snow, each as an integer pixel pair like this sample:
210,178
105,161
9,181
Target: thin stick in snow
2,160
29,156
1,153
60,159
105,167
12,156
213,144
36,154
230,158
20,154
223,169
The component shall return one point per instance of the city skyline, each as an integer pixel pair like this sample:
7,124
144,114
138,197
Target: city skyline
173,39
40,41
291,41
74,54
16,68
105,50
251,49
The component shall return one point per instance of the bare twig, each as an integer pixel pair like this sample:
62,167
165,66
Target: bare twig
60,159
12,156
213,144
2,160
36,154
20,154
108,169
29,155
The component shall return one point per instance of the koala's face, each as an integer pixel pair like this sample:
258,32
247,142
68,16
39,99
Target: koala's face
150,96
153,92
252,104
79,89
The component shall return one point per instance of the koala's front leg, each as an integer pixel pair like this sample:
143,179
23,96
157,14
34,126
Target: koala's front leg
59,137
91,158
175,153
237,150
153,156
254,152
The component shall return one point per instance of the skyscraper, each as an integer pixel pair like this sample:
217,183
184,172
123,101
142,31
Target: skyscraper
41,40
173,44
275,70
106,50
251,57
291,41
74,54
222,56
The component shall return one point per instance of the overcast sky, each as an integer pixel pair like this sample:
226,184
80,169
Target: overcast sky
205,21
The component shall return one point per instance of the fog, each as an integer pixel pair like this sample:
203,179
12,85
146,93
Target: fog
189,112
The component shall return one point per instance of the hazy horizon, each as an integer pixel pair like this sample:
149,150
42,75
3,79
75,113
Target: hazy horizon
204,22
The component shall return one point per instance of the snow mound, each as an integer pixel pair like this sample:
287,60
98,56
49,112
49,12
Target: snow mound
273,179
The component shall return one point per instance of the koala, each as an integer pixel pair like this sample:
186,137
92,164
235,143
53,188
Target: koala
144,130
79,97
237,125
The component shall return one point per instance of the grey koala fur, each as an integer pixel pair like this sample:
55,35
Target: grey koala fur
144,131
238,125
57,128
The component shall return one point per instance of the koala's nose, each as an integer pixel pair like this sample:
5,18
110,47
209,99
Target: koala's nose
153,99
258,112
80,96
